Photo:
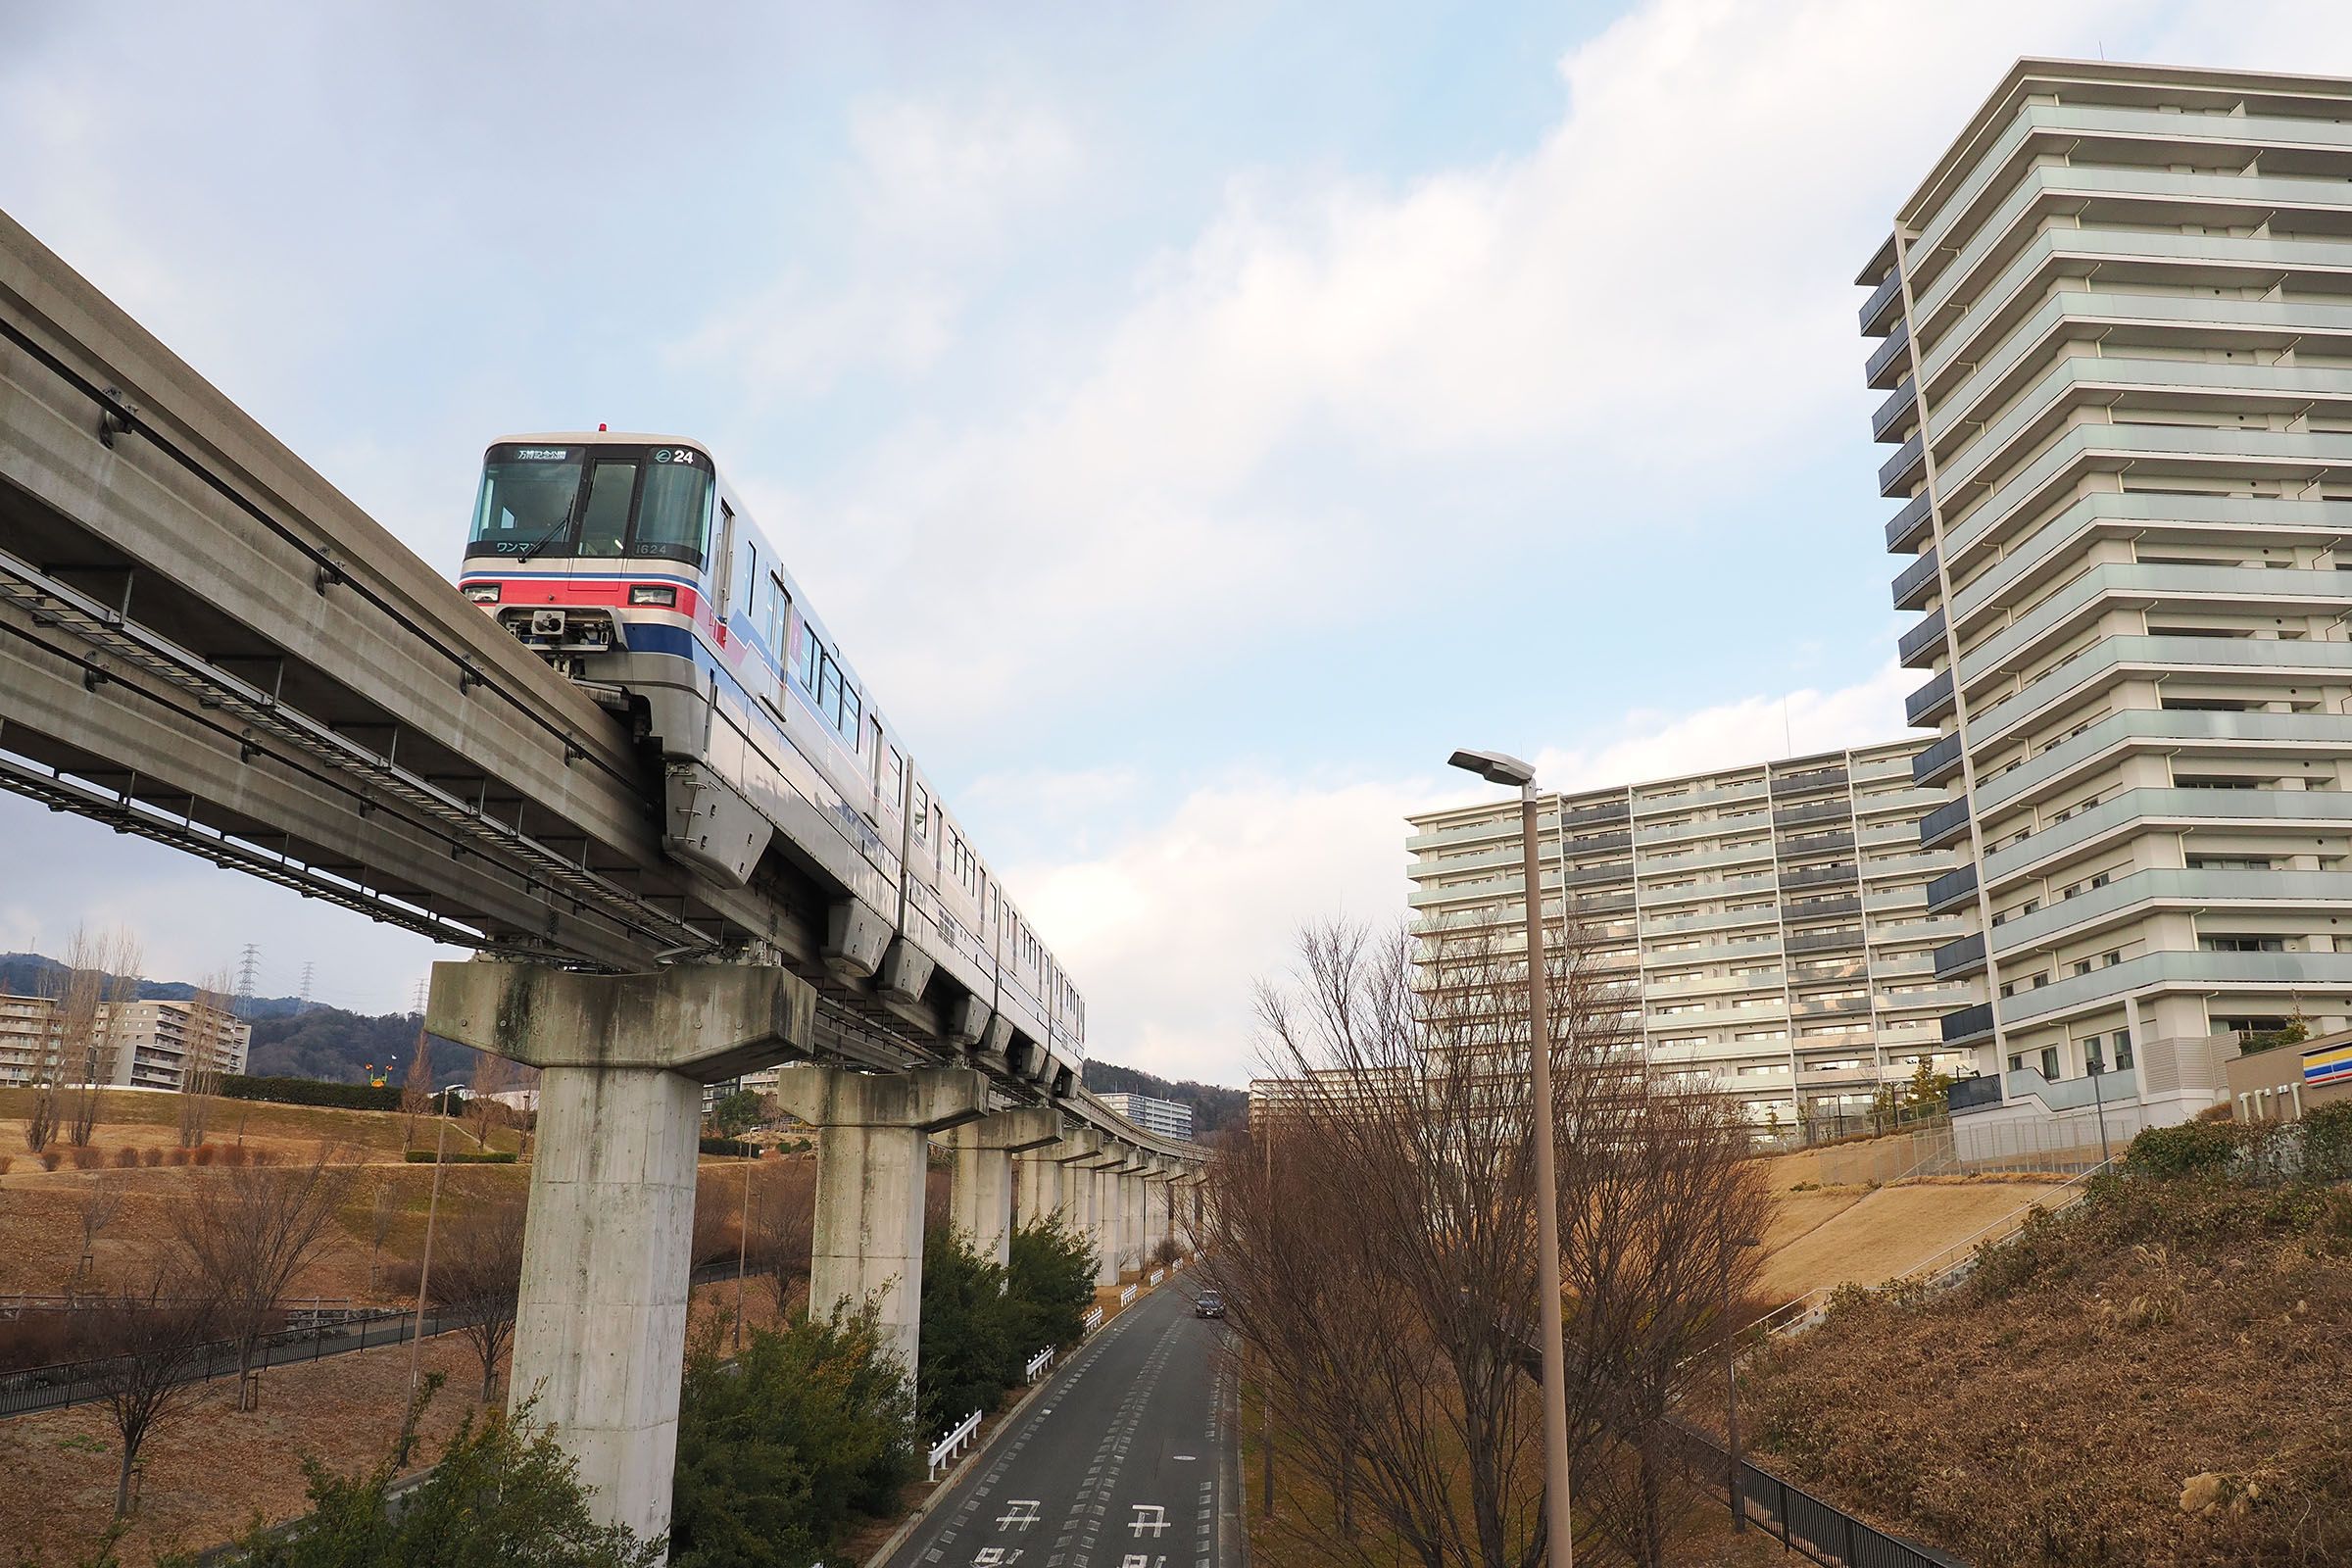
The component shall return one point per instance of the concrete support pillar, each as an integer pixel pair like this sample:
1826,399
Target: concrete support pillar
982,1193
600,1331
1157,1212
872,1149
1130,1194
1102,1200
1036,1187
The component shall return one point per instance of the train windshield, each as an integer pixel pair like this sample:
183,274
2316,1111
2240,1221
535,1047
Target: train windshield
600,501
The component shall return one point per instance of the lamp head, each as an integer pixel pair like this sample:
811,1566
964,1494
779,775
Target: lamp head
1495,768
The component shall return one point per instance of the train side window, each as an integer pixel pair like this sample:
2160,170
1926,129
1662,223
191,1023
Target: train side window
828,688
722,566
853,718
922,813
894,772
751,576
778,616
806,659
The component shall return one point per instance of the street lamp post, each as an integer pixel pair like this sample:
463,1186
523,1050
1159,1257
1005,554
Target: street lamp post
2098,1070
1498,768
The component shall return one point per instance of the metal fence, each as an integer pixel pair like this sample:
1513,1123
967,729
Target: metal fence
312,1332
1801,1522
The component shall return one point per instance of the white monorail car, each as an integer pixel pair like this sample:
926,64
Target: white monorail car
628,563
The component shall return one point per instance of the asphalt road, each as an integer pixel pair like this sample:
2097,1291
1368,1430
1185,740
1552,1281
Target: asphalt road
1127,1460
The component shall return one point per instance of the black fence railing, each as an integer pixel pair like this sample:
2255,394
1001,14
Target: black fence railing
1796,1518
71,1382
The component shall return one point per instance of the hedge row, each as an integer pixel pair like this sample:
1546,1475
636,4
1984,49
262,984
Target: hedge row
463,1156
734,1147
310,1092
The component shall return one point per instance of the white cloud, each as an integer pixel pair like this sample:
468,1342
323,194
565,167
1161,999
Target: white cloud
1166,926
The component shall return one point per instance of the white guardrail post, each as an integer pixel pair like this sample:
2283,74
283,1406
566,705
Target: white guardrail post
954,1442
1093,1319
1037,1364
1157,1275
1126,1295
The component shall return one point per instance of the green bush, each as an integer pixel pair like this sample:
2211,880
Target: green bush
2192,1148
972,1336
463,1156
779,1449
502,1493
2328,1141
1052,1277
733,1148
310,1092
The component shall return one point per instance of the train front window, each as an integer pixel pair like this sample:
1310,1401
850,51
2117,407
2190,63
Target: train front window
674,506
526,499
605,522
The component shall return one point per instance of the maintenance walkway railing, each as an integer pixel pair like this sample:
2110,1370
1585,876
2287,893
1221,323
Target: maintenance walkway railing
1798,1519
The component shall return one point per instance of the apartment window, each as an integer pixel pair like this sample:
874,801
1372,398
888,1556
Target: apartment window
2227,862
2049,1062
2243,944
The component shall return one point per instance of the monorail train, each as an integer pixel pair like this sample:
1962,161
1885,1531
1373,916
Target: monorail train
629,564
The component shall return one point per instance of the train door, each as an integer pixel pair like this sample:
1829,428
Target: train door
721,578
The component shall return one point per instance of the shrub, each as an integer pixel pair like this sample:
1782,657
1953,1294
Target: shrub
87,1159
51,1159
202,1154
2192,1148
974,1330
150,1158
310,1092
126,1159
503,1491
177,1157
232,1154
2328,1141
1052,1276
6,1160
734,1147
776,1452
462,1157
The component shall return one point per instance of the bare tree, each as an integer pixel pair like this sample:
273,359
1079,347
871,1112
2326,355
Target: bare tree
478,1272
88,1023
417,1089
489,1080
246,1232
144,1348
1373,1235
210,1026
101,1202
382,1213
45,1071
783,1223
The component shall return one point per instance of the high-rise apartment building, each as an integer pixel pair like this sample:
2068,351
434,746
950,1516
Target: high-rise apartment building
1769,923
142,1044
2116,343
1167,1117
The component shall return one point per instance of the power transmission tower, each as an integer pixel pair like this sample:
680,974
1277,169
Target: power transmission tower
417,995
302,1004
248,967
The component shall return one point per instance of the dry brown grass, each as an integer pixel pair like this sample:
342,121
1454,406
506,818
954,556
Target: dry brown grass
2052,1410
1861,1236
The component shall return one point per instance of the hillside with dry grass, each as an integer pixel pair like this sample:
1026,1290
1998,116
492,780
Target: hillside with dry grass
2156,1376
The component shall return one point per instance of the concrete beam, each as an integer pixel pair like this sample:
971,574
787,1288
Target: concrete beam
873,1153
600,1332
982,1204
707,1021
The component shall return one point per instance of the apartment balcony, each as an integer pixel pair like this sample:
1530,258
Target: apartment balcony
1821,974
1880,809
1967,1026
1845,939
1897,415
1975,1092
1757,855
1713,921
1944,827
1955,890
1885,307
2119,1087
2210,892
1752,947
1919,647
1891,360
1811,811
1690,800
1908,529
2312,735
1596,844
1942,999
1602,902
1808,781
2138,810
2276,591
1917,582
1830,1007
1930,703
2306,663
1819,876
2196,139
1495,829
1598,813
2149,450
1907,866
1809,845
2210,972
1957,960
1712,985
1909,465
1654,836
1937,760
1700,892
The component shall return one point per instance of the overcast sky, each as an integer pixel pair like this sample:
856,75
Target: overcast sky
1194,421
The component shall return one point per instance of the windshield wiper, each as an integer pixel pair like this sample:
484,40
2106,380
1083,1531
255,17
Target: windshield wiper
543,541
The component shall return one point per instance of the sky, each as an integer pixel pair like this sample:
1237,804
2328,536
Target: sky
1195,421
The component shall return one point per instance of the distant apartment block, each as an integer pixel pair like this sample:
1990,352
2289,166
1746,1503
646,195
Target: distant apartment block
1272,1098
1769,923
143,1045
2114,331
1167,1117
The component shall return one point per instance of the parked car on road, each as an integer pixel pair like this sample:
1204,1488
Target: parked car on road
1209,1305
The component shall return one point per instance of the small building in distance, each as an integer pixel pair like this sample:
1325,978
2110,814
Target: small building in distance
1167,1117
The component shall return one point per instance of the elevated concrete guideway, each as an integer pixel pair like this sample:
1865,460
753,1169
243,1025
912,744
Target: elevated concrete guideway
204,643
